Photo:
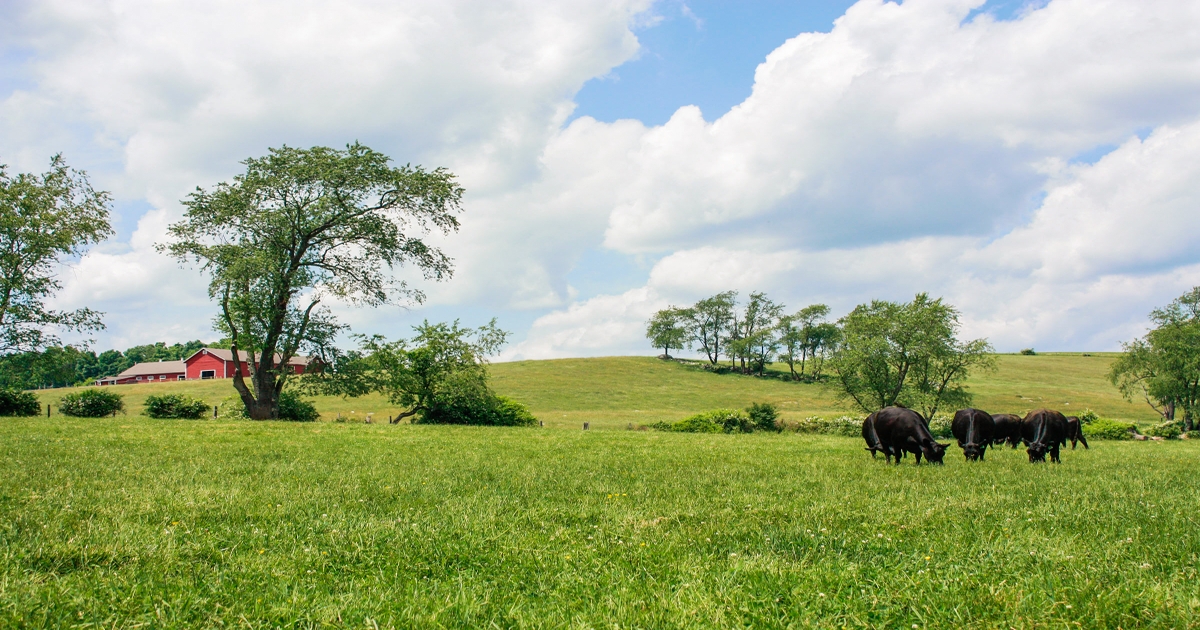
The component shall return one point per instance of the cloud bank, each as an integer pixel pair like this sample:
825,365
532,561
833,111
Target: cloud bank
1038,172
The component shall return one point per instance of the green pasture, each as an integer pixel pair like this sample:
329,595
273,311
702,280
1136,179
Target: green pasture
614,392
130,522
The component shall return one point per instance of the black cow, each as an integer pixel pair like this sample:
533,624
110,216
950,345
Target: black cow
872,440
973,429
899,431
1043,430
1008,429
1075,432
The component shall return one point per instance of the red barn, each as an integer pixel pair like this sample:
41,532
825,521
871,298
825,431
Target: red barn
150,372
218,363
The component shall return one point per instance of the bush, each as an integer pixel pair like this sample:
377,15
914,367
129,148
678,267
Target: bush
176,406
91,403
293,409
1028,352
232,408
511,413
470,401
1105,429
1170,429
715,421
14,402
763,416
843,425
1087,416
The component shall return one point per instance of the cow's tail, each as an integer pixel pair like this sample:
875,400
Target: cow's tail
876,444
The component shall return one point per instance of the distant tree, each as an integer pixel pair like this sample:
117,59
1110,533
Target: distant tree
753,341
709,320
301,225
44,219
667,329
804,335
892,353
1163,367
56,366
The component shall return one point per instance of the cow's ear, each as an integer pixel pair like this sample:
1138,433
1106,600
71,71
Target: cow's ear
947,445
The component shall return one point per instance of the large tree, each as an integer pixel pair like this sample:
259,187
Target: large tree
43,220
753,340
806,336
1163,367
908,354
303,225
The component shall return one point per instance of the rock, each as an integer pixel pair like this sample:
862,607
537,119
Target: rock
1138,436
665,357
1156,438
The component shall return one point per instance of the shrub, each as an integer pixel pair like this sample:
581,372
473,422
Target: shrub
1087,416
232,408
715,421
91,403
14,402
176,406
293,409
1170,429
763,416
1105,429
696,424
1028,352
511,413
843,425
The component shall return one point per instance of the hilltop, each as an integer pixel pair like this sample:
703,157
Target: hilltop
612,392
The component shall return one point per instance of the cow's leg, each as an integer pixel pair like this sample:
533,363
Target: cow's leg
1054,455
1084,440
982,451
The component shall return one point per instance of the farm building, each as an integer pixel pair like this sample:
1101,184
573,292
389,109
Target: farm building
205,363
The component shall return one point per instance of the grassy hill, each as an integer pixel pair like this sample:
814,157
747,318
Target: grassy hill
612,392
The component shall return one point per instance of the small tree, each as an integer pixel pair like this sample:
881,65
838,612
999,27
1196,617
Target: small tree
708,322
439,376
1163,367
805,335
666,329
301,225
753,341
909,354
44,219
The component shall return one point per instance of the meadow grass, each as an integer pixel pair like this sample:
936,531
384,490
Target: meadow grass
132,522
614,392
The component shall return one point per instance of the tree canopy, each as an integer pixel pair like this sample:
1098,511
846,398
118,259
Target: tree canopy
667,329
1163,367
908,354
301,226
44,219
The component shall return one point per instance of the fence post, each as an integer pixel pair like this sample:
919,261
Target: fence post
585,426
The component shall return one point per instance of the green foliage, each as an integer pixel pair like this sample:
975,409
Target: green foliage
92,402
763,416
806,338
715,421
753,342
232,408
18,403
1106,429
1087,416
941,427
1028,352
844,426
175,406
709,321
908,354
44,219
1163,367
303,224
666,329
292,408
1170,429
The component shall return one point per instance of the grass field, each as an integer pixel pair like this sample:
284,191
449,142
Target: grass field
613,392
131,522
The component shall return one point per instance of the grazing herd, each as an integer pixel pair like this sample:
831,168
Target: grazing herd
897,431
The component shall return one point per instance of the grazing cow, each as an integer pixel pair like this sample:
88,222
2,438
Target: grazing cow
1008,429
973,429
899,430
872,440
1075,432
1043,430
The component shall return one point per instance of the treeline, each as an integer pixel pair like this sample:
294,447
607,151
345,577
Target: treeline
750,337
65,366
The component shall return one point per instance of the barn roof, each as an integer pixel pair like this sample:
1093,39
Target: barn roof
227,355
153,367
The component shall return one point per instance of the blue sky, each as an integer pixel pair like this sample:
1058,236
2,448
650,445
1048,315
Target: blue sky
1004,155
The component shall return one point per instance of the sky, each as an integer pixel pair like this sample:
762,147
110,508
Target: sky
1035,163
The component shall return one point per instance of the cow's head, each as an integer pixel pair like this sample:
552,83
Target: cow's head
933,451
1037,452
972,451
